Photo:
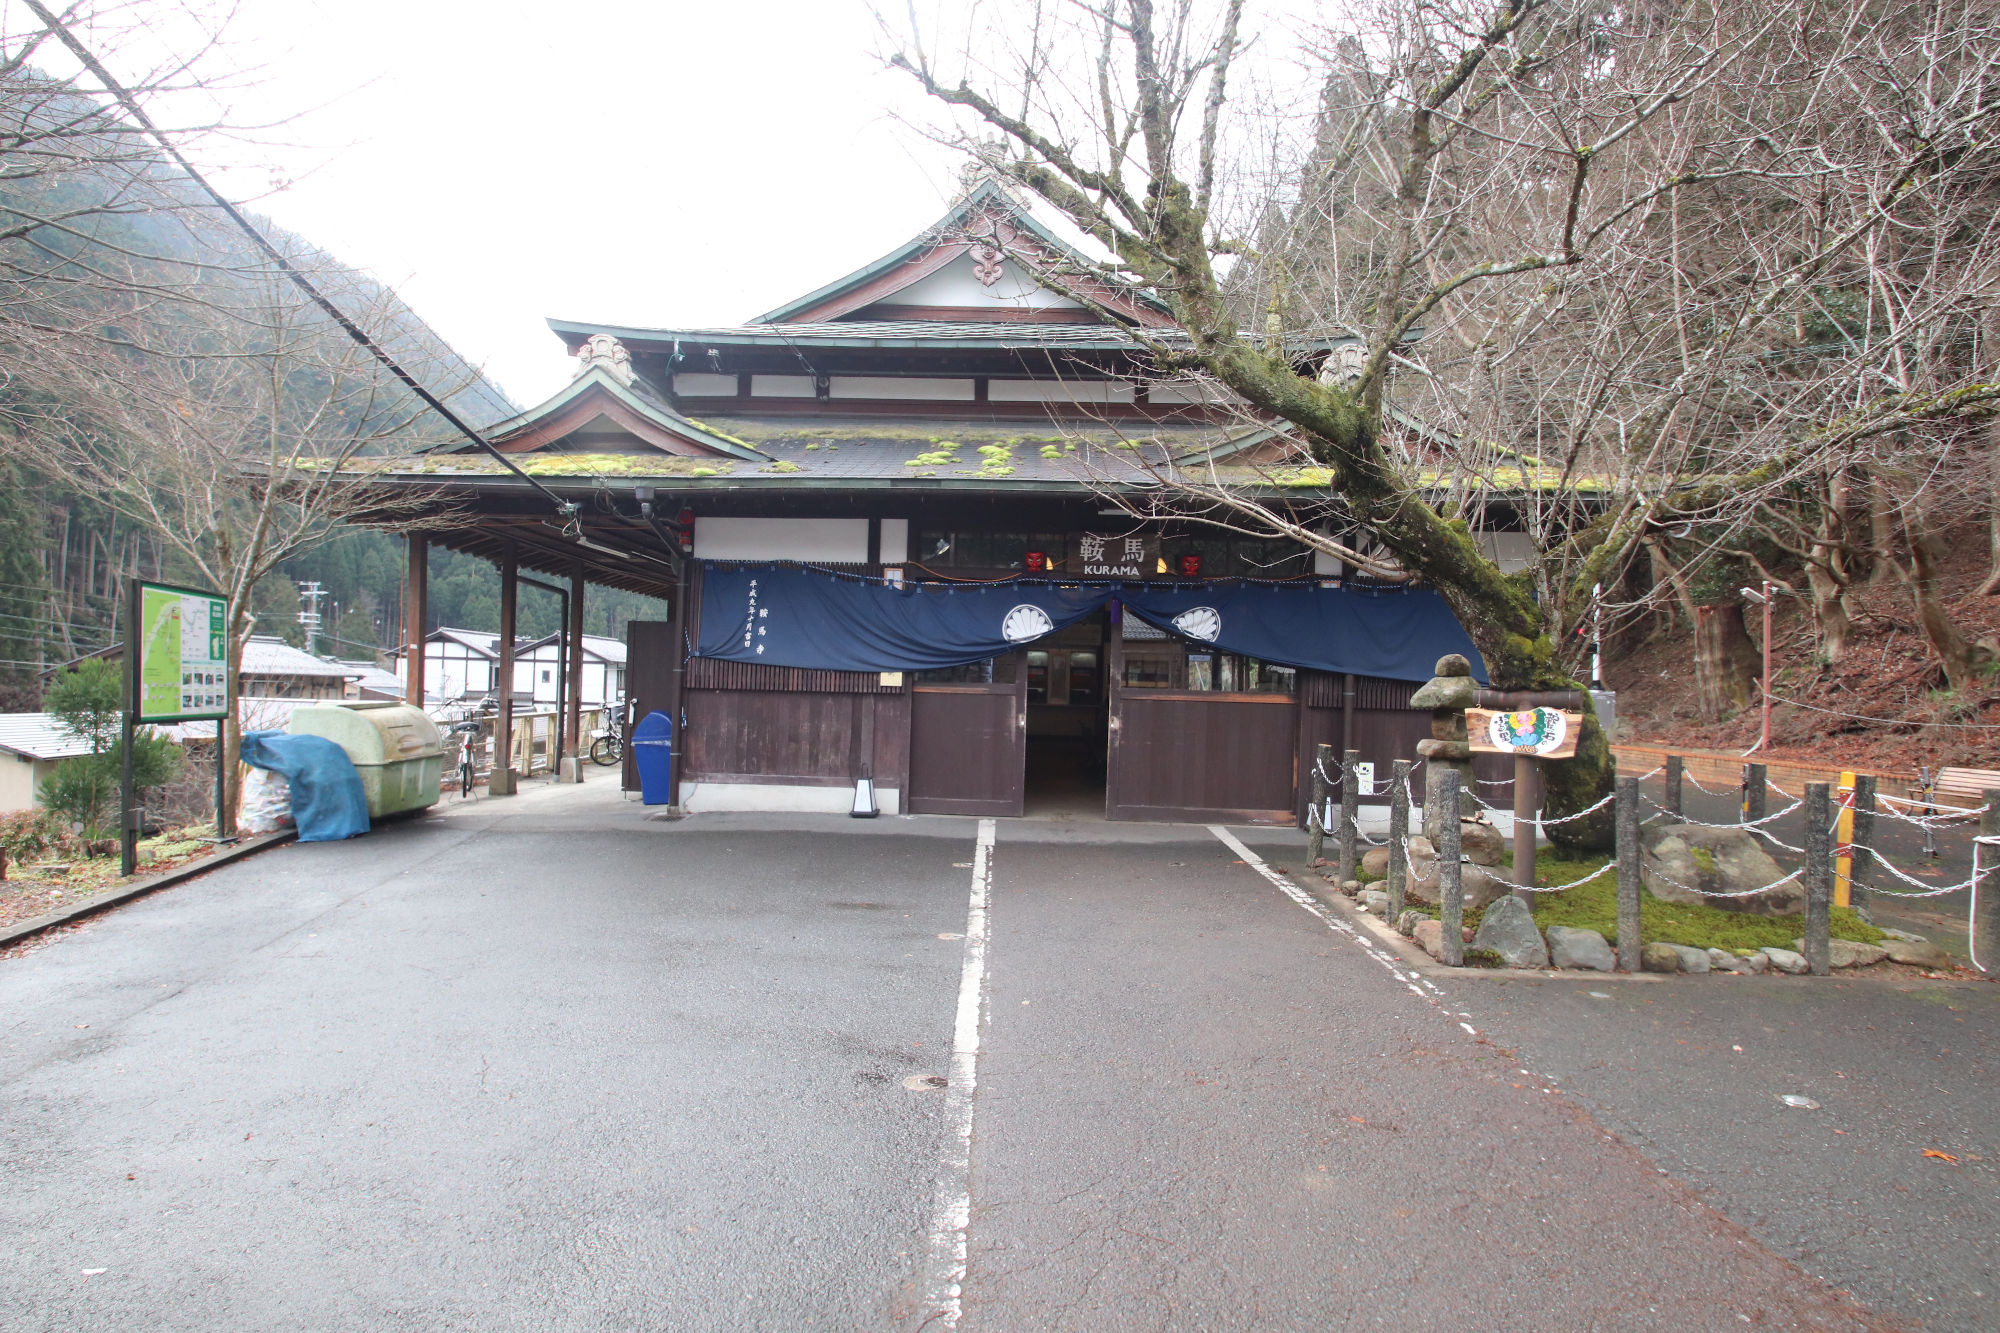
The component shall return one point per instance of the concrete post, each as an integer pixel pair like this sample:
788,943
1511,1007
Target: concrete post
1628,874
1451,883
1399,831
1818,877
1350,810
1676,772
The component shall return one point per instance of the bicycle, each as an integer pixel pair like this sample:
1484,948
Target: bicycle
607,746
468,745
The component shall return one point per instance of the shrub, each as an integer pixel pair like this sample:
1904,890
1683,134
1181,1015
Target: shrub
83,791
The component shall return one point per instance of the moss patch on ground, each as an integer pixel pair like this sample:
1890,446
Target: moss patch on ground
1594,906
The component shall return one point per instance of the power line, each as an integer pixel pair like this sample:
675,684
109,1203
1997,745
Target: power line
125,99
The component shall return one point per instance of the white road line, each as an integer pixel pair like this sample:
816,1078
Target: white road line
1418,984
944,1264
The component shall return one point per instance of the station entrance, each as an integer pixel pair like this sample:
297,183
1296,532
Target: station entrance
1109,718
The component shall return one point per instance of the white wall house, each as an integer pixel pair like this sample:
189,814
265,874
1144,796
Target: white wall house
30,746
535,666
458,664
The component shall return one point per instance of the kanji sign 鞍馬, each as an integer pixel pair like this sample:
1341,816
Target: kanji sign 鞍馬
183,665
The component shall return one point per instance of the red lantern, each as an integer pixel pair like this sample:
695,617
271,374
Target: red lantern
1037,562
1190,566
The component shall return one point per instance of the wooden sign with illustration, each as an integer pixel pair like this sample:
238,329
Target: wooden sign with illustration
1543,733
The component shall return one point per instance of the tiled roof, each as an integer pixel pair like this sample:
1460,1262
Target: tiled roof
40,736
914,333
266,655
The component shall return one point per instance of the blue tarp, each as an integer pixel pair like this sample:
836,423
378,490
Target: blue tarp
787,616
328,803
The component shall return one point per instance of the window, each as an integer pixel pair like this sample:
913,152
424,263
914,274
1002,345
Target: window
1180,665
545,675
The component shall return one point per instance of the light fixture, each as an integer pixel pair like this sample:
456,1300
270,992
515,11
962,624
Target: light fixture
1753,595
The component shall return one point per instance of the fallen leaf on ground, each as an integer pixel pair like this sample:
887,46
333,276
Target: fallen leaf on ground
1941,1156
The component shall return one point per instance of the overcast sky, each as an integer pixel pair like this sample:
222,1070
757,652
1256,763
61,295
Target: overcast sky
643,163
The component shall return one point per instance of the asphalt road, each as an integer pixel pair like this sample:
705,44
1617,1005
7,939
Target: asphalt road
547,1065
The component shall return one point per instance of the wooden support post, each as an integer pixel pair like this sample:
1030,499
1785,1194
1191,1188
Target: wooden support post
1350,814
1676,774
1818,877
1316,815
1627,826
416,599
500,782
1399,831
1451,882
573,746
415,611
1756,792
1985,929
1524,827
1862,838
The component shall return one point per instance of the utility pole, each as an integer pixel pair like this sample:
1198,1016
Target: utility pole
310,592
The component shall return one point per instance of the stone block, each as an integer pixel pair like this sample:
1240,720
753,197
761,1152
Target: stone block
1574,947
1916,953
1429,935
1482,844
1659,958
1715,860
1375,862
1446,693
1785,960
1692,959
1508,929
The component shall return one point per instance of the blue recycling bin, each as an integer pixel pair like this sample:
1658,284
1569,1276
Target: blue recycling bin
653,753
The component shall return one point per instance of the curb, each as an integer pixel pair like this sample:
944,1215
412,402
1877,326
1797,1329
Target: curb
1423,964
140,888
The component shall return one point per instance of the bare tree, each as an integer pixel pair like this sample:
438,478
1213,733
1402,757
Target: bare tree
1582,257
239,435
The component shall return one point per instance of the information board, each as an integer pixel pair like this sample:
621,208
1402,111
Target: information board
1545,733
183,664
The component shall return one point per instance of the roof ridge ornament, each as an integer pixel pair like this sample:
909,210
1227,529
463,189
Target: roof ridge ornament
601,349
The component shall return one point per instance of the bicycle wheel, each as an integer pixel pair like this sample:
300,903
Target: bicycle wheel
465,778
606,751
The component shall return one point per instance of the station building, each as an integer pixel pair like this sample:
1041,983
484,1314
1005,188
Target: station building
907,526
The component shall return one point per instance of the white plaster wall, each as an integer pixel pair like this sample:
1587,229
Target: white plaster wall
19,779
900,386
771,386
956,285
895,540
781,798
706,386
829,540
1189,393
1511,551
1058,391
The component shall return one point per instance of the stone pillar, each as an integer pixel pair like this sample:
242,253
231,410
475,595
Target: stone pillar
1448,694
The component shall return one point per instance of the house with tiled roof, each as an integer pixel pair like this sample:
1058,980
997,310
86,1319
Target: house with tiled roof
832,494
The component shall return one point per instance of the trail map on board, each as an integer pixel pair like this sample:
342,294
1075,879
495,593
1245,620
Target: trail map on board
183,664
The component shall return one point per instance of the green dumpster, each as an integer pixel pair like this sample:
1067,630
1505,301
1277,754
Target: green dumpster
396,748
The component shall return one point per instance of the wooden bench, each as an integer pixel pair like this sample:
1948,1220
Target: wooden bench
1963,787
